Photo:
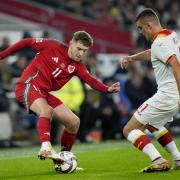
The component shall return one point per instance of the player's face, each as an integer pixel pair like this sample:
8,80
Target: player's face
144,29
77,50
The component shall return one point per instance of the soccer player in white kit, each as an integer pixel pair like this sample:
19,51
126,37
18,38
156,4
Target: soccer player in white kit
154,113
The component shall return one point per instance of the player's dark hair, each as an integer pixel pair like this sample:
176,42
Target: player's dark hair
147,13
84,37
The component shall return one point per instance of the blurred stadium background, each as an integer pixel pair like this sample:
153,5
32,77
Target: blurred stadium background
111,23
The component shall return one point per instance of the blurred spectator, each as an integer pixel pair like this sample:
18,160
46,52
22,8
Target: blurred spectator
124,106
91,9
150,85
135,90
88,115
91,64
54,3
109,114
173,21
142,42
89,108
5,76
4,102
72,6
45,34
120,13
121,74
4,43
17,67
27,52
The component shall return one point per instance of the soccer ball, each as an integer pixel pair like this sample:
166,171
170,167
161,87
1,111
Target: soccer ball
69,165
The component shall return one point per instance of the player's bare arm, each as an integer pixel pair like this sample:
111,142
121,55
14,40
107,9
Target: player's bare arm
142,56
173,61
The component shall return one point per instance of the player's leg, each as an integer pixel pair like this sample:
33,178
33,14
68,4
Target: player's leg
164,137
32,98
71,122
66,117
134,132
41,108
44,112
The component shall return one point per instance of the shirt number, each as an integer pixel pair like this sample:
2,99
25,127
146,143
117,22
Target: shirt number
56,72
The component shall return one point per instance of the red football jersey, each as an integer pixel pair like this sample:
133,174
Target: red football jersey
51,68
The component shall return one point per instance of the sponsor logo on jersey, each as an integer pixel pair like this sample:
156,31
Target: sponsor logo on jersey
62,65
71,68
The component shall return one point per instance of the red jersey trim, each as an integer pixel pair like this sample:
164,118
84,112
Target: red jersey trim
162,33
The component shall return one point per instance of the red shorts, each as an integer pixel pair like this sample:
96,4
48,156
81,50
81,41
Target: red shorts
26,94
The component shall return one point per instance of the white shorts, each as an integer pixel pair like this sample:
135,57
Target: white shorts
157,110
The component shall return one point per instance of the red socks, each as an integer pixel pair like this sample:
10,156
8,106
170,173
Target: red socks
165,139
67,140
142,141
44,129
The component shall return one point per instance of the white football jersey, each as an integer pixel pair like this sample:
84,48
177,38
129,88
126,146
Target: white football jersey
163,47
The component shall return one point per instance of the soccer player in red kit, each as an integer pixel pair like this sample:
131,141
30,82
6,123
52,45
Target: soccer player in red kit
53,66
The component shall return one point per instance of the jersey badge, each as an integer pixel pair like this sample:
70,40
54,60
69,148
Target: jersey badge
71,68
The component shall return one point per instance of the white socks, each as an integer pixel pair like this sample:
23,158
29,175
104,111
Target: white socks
148,147
46,146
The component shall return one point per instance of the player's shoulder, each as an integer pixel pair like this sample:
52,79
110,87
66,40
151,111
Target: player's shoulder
164,36
47,40
54,42
160,42
58,45
63,45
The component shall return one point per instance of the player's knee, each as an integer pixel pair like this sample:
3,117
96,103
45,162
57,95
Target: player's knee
46,111
126,131
74,125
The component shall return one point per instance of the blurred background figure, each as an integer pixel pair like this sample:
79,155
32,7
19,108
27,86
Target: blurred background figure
4,43
18,66
109,114
27,52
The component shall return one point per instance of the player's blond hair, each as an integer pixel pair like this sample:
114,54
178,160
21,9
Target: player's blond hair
84,37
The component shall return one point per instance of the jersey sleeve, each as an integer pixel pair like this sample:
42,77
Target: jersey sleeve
163,50
37,44
16,47
85,76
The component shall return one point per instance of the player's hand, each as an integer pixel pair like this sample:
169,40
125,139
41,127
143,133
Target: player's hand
125,62
114,88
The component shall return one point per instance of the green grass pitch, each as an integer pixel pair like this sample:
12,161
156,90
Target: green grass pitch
112,160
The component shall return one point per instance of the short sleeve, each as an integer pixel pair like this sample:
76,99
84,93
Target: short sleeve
163,50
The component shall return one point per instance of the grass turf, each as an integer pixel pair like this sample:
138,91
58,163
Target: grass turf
111,160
